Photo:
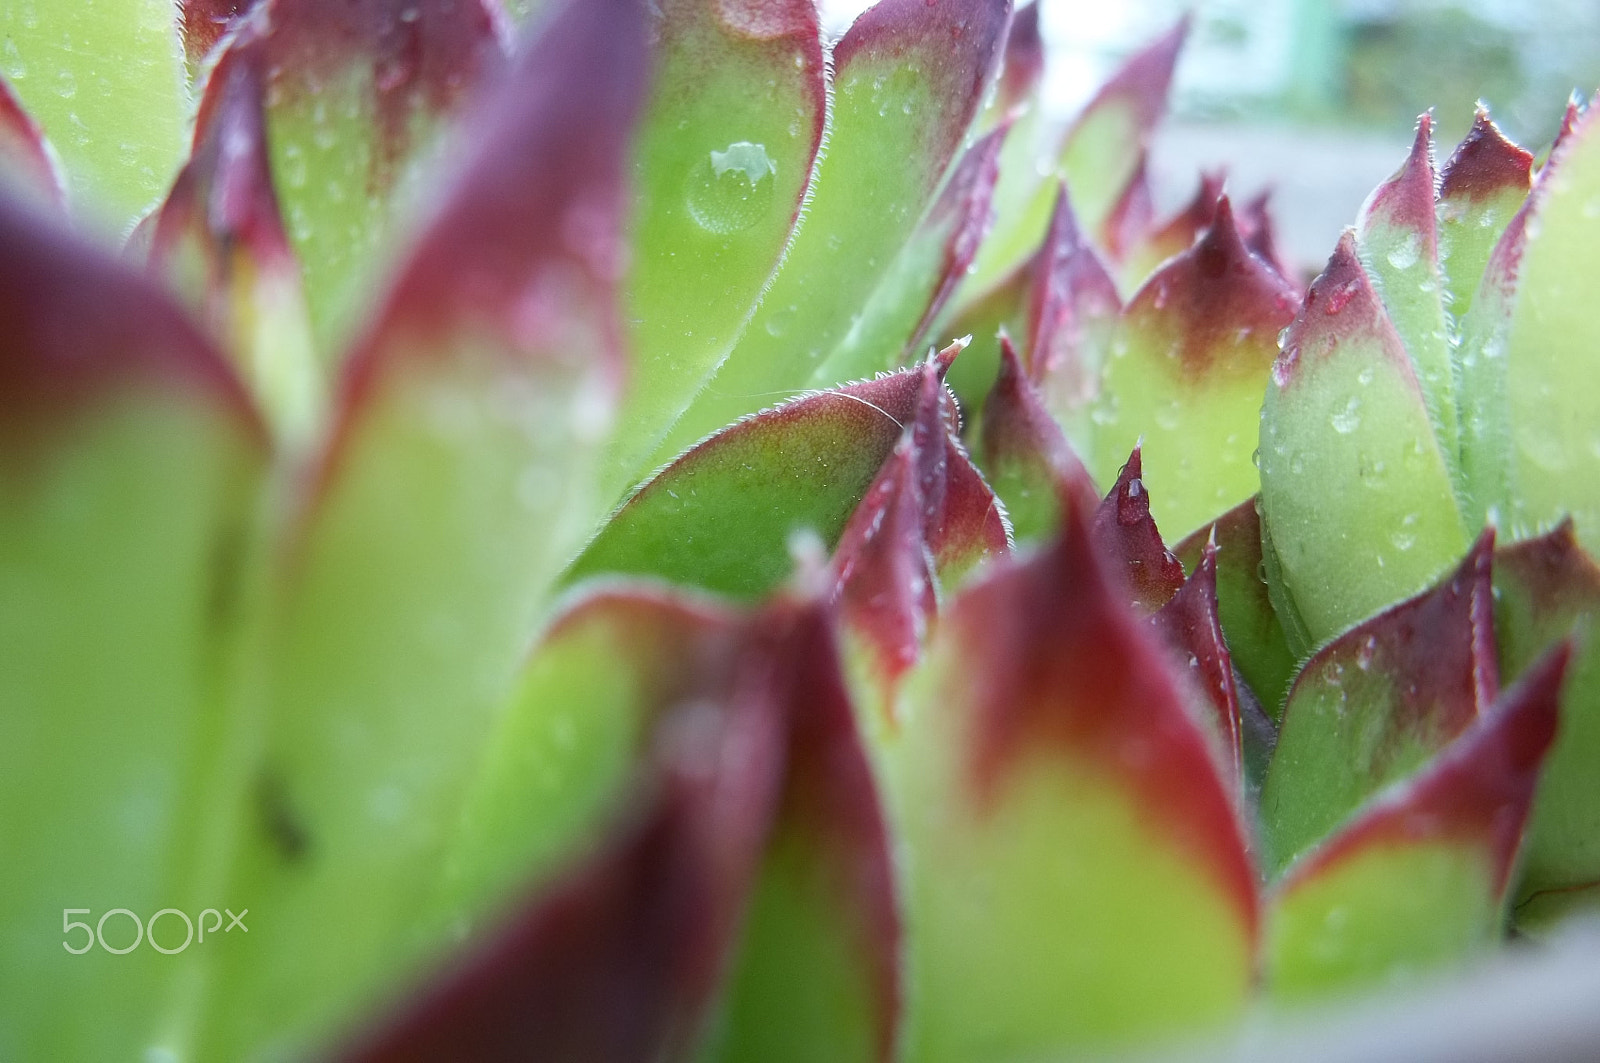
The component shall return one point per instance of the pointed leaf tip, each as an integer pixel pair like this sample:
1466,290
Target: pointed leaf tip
1128,538
1340,303
25,155
1026,454
1485,164
1072,302
1406,199
1191,624
79,325
1023,63
1212,295
202,23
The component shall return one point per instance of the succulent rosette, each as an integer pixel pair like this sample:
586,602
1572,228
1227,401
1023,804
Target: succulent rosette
639,531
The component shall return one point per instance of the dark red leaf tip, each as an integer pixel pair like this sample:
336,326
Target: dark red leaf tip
1477,792
1260,233
78,325
1407,199
202,23
1023,63
1486,164
530,235
1128,538
1554,570
1018,432
956,44
421,53
1218,303
23,148
1071,290
1132,216
226,190
966,207
768,20
1569,121
1340,304
1192,627
1145,79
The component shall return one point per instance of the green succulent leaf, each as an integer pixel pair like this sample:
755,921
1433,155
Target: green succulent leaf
908,77
1345,429
618,959
1377,703
721,516
1417,880
1255,638
1185,371
27,161
818,974
219,240
898,319
1546,588
131,464
1075,874
1531,458
1098,157
457,480
1481,189
572,740
724,160
356,97
106,82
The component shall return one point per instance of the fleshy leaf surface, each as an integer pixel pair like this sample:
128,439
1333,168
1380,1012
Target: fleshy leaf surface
1185,373
202,23
357,94
908,78
1127,536
1377,703
1535,456
1345,429
106,82
898,320
721,516
219,239
1176,235
1021,68
1075,872
1548,588
724,160
1255,638
1417,880
457,480
130,465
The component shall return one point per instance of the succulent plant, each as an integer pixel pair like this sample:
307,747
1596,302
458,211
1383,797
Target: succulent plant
633,530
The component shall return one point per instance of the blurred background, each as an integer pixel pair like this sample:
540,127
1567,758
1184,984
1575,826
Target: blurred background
1317,99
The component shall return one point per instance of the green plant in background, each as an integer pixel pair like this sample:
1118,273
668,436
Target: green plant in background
514,519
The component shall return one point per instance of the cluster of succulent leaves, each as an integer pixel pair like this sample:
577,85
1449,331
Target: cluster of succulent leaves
336,583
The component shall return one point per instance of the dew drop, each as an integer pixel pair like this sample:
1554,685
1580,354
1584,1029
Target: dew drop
1348,419
729,190
1405,254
